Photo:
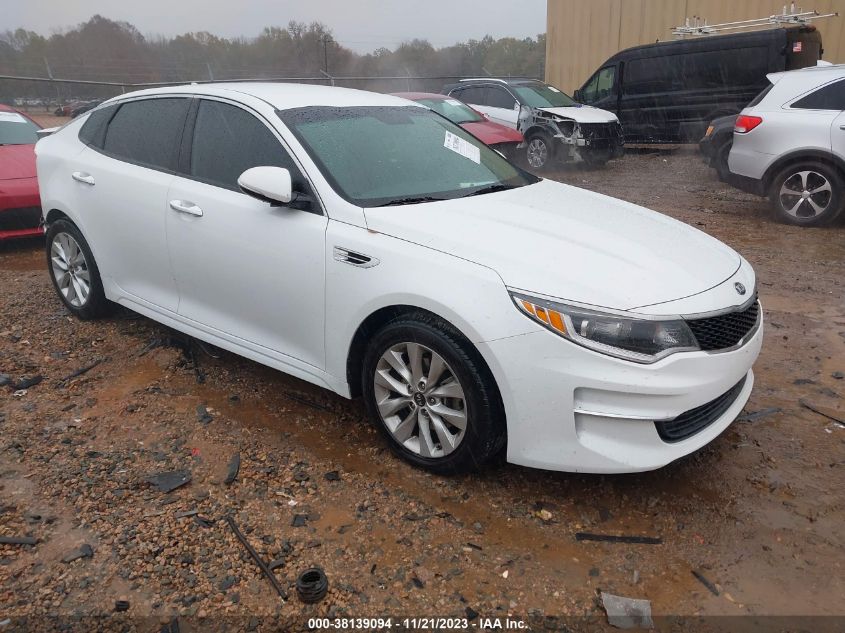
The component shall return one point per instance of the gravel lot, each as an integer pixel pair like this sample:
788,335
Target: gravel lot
758,514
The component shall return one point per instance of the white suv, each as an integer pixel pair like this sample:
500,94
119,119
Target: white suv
789,145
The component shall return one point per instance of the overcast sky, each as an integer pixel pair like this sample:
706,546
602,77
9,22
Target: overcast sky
362,25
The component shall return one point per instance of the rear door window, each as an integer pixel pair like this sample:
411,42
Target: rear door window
829,97
229,140
148,132
93,131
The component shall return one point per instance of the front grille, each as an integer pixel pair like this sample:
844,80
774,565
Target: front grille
20,218
695,420
725,330
607,133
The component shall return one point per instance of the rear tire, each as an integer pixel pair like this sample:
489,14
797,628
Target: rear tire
720,161
431,394
807,193
74,272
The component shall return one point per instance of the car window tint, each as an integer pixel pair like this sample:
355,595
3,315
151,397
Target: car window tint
94,128
229,140
475,95
148,132
829,97
500,98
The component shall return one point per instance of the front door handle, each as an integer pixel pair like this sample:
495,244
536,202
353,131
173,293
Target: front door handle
81,176
183,206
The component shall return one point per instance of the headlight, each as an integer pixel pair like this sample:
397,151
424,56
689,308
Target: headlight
638,340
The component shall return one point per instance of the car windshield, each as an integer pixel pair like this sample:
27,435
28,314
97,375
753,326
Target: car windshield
540,95
453,110
16,129
386,155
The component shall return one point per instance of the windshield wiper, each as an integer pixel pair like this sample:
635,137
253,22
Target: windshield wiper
490,189
410,200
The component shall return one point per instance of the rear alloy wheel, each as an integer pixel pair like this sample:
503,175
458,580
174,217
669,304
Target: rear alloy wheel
538,152
807,194
73,271
430,393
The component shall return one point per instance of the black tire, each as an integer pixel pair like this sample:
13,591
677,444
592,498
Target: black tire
485,434
539,151
95,305
720,161
810,175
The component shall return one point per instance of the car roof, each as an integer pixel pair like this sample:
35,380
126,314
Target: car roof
810,74
413,96
282,96
510,81
5,108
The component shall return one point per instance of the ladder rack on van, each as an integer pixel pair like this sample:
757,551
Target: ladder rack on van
700,27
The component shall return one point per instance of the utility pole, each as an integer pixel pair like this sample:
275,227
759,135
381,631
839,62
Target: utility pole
326,40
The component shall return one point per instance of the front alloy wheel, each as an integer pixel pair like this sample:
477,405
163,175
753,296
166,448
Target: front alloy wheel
538,152
432,395
420,400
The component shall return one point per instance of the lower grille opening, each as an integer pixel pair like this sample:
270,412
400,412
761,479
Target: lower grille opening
20,218
696,420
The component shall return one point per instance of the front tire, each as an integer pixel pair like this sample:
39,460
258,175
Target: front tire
809,193
539,152
431,394
74,272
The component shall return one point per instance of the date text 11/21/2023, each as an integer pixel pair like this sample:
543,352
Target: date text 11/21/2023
417,624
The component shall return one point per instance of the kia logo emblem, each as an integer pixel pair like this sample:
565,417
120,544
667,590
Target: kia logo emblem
739,288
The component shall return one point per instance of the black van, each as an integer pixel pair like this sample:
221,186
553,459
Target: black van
669,91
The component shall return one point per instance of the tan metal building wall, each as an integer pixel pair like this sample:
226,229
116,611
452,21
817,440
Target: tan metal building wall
582,34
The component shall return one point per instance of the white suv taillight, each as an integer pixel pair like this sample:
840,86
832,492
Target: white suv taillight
745,123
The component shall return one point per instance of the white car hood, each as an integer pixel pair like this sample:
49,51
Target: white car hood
568,243
583,114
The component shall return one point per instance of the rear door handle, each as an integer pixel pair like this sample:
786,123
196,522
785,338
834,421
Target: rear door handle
183,206
81,176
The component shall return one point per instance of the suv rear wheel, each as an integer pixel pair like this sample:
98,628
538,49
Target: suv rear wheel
809,193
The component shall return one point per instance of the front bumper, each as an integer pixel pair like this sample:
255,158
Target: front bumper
572,409
20,208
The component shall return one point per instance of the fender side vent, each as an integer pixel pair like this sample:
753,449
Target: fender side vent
355,259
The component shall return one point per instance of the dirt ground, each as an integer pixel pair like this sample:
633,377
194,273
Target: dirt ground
757,515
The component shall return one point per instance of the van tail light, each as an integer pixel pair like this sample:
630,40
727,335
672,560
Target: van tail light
745,123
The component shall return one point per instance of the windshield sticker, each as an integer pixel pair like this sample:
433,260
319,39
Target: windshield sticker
553,89
453,102
462,147
12,117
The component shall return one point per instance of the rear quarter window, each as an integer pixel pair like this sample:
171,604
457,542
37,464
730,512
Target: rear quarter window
148,132
829,97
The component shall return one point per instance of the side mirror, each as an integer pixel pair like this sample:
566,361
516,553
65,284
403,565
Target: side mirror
270,184
578,96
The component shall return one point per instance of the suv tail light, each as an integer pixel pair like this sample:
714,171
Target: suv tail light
745,123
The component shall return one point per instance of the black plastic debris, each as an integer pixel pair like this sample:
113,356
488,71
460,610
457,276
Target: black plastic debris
611,538
276,563
299,520
203,415
18,540
258,560
5,379
121,605
312,585
26,383
472,614
232,471
756,415
332,475
83,551
203,522
168,481
703,580
79,372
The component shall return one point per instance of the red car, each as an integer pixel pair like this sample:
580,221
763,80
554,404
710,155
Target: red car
502,138
20,204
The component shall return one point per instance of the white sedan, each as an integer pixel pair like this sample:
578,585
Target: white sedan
367,245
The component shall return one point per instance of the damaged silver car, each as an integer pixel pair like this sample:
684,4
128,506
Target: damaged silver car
556,127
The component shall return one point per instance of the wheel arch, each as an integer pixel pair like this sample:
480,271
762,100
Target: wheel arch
796,157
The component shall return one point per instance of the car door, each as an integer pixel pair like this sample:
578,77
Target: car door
246,270
121,183
501,106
